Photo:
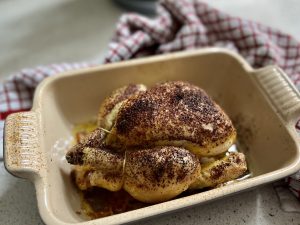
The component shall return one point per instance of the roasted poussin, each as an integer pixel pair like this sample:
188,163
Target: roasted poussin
172,113
153,143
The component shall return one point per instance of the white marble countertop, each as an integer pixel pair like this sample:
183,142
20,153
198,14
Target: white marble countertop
41,32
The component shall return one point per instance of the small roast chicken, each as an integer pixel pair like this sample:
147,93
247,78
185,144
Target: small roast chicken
156,143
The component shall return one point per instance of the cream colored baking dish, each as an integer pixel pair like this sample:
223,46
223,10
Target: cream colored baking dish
263,104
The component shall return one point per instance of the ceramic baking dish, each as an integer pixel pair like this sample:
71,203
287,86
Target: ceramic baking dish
263,105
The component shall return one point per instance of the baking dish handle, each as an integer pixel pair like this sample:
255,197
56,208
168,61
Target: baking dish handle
22,152
280,91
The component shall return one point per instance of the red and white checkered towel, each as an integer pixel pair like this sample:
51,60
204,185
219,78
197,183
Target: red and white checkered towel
179,25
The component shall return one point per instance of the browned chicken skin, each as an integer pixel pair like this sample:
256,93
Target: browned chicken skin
150,143
173,113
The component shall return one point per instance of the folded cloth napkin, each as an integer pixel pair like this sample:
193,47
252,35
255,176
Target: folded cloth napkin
179,25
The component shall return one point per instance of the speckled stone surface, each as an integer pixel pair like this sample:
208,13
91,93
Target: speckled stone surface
17,200
258,206
41,32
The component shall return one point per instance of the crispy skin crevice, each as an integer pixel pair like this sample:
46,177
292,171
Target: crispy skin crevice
220,171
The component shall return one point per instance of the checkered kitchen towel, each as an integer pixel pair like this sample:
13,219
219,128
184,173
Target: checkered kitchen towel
179,25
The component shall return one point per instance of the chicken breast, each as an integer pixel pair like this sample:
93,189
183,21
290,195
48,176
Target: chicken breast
172,113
